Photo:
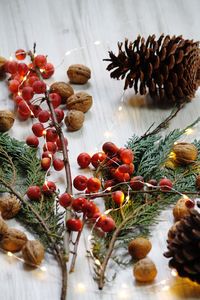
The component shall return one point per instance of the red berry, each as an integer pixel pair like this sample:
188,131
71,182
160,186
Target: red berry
109,183
153,182
47,71
78,204
11,67
38,129
20,54
47,154
43,116
83,160
17,99
80,182
51,135
55,99
165,185
59,115
34,192
107,224
97,158
40,60
23,107
74,224
118,197
58,164
93,184
65,200
126,156
32,141
22,69
59,144
36,109
110,148
189,203
23,116
124,168
46,163
121,177
27,93
32,79
13,86
39,87
49,188
89,209
137,183
131,168
50,146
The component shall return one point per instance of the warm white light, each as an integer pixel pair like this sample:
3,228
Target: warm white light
119,108
97,262
123,294
107,211
185,197
68,53
189,131
9,254
127,198
107,134
109,189
11,58
19,93
165,288
43,269
97,43
89,237
174,273
81,287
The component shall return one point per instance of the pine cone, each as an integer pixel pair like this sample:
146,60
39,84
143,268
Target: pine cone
184,246
169,66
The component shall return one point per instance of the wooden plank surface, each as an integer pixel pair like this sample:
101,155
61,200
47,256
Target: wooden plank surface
75,31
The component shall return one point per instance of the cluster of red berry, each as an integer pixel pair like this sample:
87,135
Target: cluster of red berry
25,84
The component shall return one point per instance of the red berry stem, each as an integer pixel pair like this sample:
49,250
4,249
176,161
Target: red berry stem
76,243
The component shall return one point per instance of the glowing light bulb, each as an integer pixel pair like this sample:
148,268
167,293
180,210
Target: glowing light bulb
165,288
107,211
97,262
81,287
9,254
89,237
68,53
109,189
185,197
120,108
174,273
44,132
189,131
43,269
107,134
10,58
97,43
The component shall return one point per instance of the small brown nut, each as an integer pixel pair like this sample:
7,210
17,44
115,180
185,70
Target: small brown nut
172,231
3,226
80,101
78,73
180,210
185,153
9,206
63,89
198,182
7,119
2,66
33,252
13,240
74,120
145,270
139,247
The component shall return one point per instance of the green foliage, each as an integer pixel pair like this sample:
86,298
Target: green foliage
20,168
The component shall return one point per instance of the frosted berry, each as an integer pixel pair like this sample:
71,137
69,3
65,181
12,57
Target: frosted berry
13,86
39,87
50,146
121,177
51,135
165,185
124,168
137,183
31,80
74,224
55,99
89,209
32,141
46,163
40,60
80,182
11,67
59,115
43,116
34,192
118,197
83,160
48,70
93,184
17,99
27,93
65,200
78,204
22,69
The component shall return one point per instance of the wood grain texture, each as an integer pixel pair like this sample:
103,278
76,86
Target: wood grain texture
75,31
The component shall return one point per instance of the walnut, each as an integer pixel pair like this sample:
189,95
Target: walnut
33,252
180,210
3,226
80,101
145,270
74,120
185,153
2,66
9,206
63,89
78,73
7,119
13,240
139,247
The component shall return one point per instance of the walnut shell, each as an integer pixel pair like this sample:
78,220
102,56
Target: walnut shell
139,247
63,89
185,153
180,210
3,226
9,206
78,74
80,101
7,119
33,252
145,270
74,120
2,66
13,240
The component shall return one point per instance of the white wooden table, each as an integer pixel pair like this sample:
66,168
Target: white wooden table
82,32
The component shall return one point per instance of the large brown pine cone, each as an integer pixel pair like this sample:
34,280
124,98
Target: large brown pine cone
184,246
167,67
